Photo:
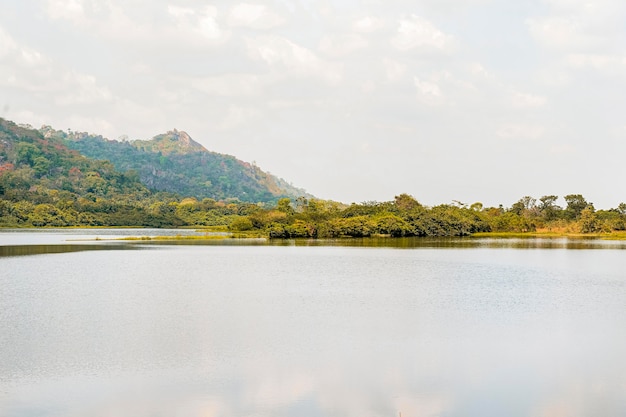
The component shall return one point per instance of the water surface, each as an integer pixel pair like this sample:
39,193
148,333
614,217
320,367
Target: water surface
480,328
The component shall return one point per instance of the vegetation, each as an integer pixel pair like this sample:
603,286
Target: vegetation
405,216
175,163
44,183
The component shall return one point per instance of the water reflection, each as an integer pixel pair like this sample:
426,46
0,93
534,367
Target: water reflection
466,242
23,250
310,330
181,237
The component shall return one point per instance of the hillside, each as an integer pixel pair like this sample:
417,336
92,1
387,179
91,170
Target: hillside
174,162
31,166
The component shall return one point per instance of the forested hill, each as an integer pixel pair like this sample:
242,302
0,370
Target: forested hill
174,162
32,167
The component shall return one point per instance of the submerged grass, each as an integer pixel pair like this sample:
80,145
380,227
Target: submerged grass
229,235
177,237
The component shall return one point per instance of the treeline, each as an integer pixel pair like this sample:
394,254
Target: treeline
52,208
405,216
304,218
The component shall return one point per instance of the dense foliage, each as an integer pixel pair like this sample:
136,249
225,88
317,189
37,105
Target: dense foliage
174,163
405,216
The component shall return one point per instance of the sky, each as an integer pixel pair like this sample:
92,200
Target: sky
468,100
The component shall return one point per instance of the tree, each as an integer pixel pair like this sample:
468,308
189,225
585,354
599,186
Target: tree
26,153
284,205
241,224
405,202
524,204
589,220
548,209
576,203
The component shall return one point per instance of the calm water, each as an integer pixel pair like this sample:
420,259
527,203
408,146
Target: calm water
473,328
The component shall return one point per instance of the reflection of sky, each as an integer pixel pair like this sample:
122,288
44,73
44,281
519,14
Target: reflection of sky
285,331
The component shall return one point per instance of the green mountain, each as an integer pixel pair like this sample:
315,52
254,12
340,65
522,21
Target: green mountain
174,162
32,167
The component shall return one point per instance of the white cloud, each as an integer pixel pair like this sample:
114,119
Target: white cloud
568,33
255,16
201,22
82,89
284,55
428,92
615,64
416,32
236,116
180,12
65,9
19,55
7,44
524,100
341,45
579,25
476,68
368,24
230,85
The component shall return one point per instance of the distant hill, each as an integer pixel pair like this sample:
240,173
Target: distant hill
174,162
37,168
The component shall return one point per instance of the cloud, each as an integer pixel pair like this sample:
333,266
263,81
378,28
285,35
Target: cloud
565,33
230,85
128,22
202,22
18,55
428,92
254,16
82,89
578,25
368,24
7,43
416,32
65,9
285,56
525,100
342,45
237,116
610,64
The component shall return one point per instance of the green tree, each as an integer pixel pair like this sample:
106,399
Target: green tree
26,153
523,205
406,202
241,224
549,210
284,205
589,220
576,203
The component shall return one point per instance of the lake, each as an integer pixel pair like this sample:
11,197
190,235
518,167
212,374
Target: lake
456,327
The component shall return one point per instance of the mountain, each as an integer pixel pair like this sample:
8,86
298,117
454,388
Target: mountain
38,168
174,162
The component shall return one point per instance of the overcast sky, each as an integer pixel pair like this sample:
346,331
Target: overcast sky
470,100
